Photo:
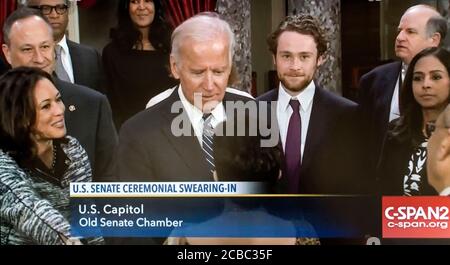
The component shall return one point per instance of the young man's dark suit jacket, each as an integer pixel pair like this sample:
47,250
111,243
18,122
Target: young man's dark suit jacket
148,150
376,90
87,66
330,157
88,119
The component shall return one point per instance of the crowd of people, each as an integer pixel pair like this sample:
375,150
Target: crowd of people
62,104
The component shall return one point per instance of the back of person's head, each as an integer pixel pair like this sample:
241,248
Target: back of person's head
202,28
409,126
125,34
240,157
19,14
304,24
18,111
438,156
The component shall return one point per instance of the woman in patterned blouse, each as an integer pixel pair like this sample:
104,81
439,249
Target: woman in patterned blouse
37,160
424,95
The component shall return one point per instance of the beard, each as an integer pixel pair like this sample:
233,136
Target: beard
295,84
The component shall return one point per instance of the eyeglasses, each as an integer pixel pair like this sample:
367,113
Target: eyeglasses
431,127
47,10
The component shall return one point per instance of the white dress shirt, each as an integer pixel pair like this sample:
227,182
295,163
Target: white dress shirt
445,192
284,112
166,93
395,105
65,57
196,116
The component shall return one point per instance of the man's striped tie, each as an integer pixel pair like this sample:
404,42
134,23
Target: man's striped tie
207,140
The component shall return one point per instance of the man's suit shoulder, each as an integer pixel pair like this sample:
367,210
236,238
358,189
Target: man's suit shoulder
110,47
381,70
148,120
150,114
229,96
81,48
79,90
331,98
270,95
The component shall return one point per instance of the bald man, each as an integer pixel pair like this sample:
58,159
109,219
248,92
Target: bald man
420,27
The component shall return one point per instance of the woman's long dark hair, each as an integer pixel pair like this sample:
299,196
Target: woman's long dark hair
408,128
18,111
126,35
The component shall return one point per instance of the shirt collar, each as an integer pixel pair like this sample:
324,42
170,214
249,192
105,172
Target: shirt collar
404,67
63,44
305,97
196,115
403,70
445,192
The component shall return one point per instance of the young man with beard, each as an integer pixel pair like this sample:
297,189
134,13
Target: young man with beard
315,125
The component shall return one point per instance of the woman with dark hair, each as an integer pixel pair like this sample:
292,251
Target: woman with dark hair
37,160
425,94
137,58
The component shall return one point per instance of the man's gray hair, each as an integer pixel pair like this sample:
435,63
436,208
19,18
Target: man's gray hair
437,24
202,27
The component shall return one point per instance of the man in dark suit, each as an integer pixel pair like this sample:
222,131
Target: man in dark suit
421,26
324,150
82,64
169,141
165,142
29,42
4,67
438,164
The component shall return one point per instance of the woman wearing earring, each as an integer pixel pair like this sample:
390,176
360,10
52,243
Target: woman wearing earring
137,58
37,160
425,94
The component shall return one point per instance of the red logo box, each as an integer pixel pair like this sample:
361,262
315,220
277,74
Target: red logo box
416,217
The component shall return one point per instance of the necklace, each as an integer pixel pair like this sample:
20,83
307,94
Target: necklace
54,156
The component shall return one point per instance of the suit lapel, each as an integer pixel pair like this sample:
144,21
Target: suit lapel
317,127
68,97
187,147
389,83
272,100
75,56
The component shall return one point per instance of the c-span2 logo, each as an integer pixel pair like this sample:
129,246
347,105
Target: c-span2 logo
416,217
